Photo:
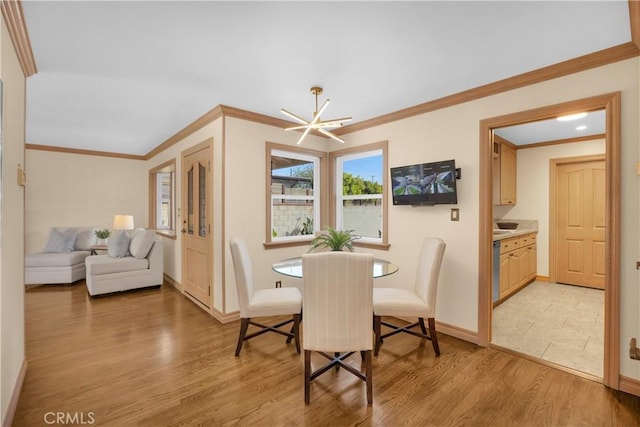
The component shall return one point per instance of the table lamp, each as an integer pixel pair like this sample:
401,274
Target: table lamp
123,222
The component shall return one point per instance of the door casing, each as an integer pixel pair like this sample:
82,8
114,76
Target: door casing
611,104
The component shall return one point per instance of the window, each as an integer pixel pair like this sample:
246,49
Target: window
162,198
294,202
360,178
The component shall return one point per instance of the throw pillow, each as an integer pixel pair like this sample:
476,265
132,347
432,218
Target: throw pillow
141,243
118,244
85,238
60,240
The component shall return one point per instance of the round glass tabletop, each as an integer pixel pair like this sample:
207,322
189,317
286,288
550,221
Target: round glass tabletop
293,267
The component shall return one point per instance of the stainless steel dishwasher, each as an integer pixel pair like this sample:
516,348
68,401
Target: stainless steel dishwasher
496,271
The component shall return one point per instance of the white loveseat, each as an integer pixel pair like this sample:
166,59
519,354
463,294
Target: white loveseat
106,274
62,259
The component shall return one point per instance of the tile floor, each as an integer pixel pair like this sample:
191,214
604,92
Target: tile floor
559,323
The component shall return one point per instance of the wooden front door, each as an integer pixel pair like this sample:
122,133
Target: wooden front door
580,222
196,222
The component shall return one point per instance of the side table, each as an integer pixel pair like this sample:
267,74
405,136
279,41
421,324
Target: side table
95,248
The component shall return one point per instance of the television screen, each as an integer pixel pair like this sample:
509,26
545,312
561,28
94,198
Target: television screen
425,184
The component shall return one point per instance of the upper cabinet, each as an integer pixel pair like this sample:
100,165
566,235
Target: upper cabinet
504,172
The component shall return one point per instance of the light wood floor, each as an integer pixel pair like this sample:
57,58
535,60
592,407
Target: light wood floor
152,358
563,324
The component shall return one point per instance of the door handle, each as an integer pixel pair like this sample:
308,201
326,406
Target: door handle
183,231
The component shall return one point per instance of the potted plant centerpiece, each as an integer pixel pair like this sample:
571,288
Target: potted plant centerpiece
102,236
336,240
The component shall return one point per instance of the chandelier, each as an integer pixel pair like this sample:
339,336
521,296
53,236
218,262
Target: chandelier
315,123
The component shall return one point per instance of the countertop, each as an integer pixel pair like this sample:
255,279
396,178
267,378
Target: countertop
505,234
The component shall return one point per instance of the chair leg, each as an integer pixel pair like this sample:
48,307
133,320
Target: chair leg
377,331
421,321
307,375
296,330
369,371
243,331
433,335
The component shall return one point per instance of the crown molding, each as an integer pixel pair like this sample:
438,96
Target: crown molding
571,66
562,141
212,115
208,117
254,117
82,152
14,18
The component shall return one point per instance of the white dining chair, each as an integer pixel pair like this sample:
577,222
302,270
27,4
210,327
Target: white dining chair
338,308
262,302
418,302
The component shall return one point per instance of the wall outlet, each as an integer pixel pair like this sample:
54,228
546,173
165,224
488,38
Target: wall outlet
634,351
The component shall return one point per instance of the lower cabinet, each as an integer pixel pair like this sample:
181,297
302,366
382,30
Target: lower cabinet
518,263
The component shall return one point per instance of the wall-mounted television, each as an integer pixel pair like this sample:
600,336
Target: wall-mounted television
425,184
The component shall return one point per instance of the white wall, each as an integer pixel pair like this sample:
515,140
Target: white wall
533,189
454,133
245,199
12,347
66,189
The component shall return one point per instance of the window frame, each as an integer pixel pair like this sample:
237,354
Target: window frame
166,167
320,192
336,199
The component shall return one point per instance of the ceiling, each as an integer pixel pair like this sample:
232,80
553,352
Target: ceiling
125,76
553,130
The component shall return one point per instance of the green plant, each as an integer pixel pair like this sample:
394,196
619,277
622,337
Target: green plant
102,234
336,240
307,226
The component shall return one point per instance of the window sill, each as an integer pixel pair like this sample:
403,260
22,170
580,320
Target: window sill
170,234
290,244
371,245
368,245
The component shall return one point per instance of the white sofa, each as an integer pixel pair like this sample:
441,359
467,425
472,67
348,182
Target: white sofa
62,259
106,274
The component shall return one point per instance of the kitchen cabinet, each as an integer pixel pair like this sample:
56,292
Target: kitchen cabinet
518,263
504,174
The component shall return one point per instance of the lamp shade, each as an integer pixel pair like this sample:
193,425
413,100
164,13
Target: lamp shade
123,222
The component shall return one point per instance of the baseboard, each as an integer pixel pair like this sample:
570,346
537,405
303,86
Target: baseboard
542,278
630,385
457,332
172,282
217,314
454,331
13,403
225,317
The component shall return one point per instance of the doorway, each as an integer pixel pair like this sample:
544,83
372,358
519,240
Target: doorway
196,223
611,104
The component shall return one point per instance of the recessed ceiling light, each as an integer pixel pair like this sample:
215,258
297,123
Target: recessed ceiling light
570,117
581,127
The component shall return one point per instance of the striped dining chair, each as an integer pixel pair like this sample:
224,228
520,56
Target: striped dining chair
337,297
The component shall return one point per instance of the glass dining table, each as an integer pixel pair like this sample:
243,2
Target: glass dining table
292,267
